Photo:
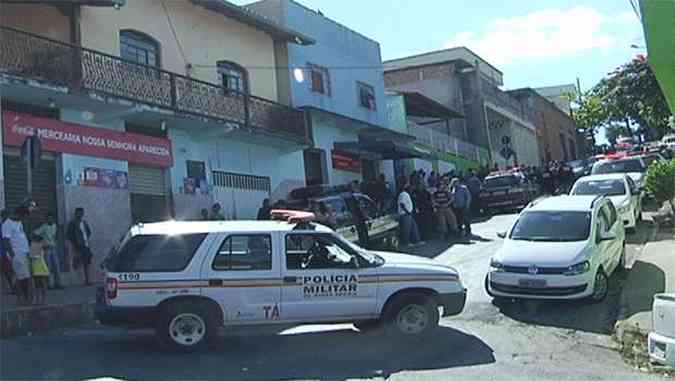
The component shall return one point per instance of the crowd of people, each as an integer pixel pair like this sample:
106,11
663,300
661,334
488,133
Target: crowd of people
31,262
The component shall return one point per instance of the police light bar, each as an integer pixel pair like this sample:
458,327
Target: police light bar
292,216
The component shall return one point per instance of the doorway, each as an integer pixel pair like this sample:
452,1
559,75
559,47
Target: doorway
315,167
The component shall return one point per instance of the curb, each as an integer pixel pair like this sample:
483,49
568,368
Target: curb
26,321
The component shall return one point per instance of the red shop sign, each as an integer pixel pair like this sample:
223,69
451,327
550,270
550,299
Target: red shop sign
345,162
58,136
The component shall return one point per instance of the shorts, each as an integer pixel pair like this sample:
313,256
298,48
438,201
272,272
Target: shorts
83,257
20,267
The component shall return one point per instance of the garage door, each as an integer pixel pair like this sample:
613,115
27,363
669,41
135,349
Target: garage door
147,188
240,195
44,187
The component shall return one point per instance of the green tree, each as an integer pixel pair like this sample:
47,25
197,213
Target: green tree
660,181
631,95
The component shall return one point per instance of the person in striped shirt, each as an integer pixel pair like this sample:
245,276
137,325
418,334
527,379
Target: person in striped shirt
442,202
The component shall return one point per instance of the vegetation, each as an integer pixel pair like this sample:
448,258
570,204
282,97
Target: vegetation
660,182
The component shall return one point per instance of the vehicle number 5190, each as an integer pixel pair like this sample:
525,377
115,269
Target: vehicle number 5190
130,276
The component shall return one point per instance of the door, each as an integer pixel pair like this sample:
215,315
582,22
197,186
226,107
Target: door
244,278
325,279
610,250
147,188
240,195
315,164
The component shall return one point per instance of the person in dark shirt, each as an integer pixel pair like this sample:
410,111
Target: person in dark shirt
264,211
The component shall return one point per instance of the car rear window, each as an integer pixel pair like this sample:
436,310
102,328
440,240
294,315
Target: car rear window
619,166
502,181
156,253
612,187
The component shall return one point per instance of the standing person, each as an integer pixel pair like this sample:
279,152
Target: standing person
217,212
78,234
5,259
16,245
409,230
461,206
424,210
264,211
360,219
442,200
47,233
380,192
474,184
39,269
432,181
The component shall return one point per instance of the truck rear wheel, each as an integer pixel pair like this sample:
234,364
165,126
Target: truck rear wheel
412,316
186,327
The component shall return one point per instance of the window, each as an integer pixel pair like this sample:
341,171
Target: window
156,253
320,79
552,226
619,166
241,181
244,253
233,76
366,96
605,187
139,48
501,181
611,213
632,186
338,206
318,251
603,221
197,170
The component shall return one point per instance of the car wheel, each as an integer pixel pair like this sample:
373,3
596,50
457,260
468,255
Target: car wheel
600,287
186,327
412,316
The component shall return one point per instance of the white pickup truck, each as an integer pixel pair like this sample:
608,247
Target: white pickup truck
186,279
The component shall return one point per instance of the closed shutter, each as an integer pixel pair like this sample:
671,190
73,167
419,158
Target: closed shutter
44,188
146,180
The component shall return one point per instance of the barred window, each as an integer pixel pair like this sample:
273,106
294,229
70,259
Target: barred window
241,181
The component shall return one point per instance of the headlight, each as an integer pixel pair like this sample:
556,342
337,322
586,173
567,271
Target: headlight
578,269
496,266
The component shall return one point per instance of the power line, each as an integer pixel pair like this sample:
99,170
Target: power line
173,31
636,9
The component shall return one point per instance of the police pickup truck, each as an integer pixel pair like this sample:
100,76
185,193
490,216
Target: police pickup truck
187,279
353,215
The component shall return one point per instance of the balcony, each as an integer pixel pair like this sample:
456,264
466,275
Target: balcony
504,100
87,71
447,144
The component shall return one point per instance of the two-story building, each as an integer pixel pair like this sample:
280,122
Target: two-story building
463,81
339,82
146,110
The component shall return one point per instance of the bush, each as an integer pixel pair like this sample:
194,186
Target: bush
660,181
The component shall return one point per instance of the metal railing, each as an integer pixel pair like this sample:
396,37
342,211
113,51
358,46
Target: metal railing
39,58
446,143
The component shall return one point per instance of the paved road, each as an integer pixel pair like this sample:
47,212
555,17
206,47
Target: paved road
516,341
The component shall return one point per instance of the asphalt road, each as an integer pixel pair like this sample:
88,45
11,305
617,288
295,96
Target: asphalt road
515,341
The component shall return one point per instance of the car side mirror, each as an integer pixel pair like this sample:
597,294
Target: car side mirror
501,234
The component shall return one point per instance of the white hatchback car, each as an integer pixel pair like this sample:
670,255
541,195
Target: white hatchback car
563,247
620,188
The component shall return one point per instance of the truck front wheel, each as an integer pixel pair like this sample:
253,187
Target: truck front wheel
186,327
412,316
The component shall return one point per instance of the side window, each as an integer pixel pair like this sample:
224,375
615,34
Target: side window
244,253
339,207
317,251
631,186
156,253
603,221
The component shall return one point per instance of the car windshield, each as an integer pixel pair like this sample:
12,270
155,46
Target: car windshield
619,166
552,226
501,181
613,187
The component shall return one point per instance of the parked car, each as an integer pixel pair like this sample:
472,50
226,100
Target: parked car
620,188
187,279
379,226
506,190
564,247
579,168
661,341
635,167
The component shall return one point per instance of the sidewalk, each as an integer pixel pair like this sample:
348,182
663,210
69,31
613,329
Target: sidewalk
652,273
63,308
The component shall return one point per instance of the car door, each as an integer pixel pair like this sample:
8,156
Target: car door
325,279
615,227
244,277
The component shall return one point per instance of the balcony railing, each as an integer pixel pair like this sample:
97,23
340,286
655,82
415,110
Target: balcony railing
42,59
446,143
504,100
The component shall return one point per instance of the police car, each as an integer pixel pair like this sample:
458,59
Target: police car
187,279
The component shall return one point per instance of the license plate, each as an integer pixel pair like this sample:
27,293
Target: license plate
532,283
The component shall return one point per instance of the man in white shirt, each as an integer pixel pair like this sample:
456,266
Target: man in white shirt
409,230
17,247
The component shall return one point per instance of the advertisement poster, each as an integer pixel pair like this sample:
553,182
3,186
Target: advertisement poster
345,162
105,178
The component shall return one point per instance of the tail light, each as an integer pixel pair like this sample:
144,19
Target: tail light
111,288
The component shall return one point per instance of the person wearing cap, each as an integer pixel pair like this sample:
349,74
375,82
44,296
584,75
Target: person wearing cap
16,245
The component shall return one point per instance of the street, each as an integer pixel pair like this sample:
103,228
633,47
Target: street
515,341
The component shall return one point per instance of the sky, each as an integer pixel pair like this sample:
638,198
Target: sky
533,42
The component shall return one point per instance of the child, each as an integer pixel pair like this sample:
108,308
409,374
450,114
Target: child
39,269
